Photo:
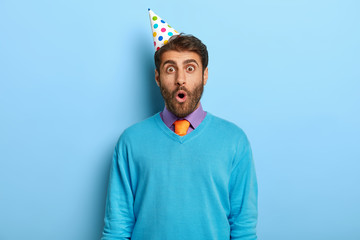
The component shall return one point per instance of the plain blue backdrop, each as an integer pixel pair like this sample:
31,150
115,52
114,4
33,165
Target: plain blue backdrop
75,74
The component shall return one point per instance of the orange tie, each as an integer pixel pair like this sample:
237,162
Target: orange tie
181,127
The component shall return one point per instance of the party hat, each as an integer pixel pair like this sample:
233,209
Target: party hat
161,30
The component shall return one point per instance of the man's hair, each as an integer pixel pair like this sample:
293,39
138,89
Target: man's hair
183,42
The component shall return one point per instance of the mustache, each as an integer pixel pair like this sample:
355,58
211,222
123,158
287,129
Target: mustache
181,88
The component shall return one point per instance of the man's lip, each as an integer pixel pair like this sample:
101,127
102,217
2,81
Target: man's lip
181,99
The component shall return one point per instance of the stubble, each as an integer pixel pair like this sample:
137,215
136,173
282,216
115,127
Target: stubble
185,108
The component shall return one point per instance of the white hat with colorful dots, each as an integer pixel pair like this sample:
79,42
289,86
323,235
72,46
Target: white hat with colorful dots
161,30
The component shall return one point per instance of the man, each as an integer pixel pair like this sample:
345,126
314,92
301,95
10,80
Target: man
182,173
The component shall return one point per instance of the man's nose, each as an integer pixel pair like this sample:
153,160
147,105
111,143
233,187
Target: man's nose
180,78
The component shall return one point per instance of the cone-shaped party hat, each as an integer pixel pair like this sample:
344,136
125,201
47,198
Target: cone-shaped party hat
161,30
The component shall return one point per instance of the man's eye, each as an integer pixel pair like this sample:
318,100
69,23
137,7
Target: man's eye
190,68
170,69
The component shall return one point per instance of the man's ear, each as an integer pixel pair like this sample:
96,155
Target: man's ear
205,75
157,77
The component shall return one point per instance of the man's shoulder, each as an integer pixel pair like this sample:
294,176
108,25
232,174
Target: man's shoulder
143,124
226,127
140,128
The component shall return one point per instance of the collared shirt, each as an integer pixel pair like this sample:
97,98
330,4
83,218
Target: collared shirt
195,118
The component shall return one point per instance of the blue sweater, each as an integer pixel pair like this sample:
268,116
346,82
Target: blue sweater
201,186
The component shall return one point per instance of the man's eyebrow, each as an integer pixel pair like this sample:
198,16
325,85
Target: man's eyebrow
190,60
169,61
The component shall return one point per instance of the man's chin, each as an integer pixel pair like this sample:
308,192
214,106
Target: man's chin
181,109
180,113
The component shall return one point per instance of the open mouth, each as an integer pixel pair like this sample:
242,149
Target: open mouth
181,96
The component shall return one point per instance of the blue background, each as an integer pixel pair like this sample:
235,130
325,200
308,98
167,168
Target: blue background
75,74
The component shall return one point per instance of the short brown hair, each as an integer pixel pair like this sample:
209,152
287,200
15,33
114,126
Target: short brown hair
183,42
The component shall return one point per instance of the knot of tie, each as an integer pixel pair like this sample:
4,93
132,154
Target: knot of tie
181,127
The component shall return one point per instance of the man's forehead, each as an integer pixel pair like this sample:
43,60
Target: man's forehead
179,57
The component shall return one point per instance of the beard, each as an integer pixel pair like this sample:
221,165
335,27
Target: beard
185,108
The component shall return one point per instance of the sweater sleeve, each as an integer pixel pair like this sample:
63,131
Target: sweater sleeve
119,215
243,194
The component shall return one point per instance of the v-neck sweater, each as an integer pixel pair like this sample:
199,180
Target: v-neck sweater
201,186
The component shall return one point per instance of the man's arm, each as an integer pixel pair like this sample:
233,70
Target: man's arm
243,194
119,215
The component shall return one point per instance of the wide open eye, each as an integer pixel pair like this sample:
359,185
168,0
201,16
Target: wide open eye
190,68
170,69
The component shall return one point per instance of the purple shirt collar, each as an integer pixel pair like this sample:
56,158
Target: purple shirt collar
195,118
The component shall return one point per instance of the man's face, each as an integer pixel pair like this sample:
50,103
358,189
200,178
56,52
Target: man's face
181,81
